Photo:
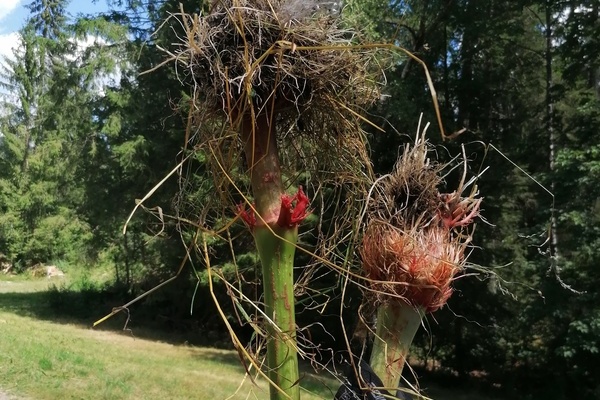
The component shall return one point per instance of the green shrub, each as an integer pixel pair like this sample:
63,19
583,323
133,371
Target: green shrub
61,236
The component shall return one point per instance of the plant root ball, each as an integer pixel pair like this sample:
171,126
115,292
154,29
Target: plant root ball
415,237
416,267
274,55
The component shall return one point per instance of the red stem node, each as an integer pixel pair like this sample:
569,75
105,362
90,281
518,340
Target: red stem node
293,209
249,217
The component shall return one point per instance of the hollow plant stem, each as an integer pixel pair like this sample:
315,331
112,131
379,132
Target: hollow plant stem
276,247
397,324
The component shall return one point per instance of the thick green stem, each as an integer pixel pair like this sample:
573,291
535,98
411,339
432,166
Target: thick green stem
397,324
276,247
277,258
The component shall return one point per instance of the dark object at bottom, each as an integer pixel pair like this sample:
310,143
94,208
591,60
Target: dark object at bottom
351,388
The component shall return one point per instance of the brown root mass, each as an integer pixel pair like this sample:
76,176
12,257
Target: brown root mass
409,196
415,267
274,56
304,73
414,243
310,78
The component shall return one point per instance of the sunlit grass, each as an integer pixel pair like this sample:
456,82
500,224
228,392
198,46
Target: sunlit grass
23,284
45,354
45,360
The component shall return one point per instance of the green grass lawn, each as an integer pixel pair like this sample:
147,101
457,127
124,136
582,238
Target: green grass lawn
48,356
42,359
22,284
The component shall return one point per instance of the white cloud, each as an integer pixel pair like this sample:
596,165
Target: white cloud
6,6
8,41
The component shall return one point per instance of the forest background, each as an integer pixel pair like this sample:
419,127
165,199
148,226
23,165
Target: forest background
83,134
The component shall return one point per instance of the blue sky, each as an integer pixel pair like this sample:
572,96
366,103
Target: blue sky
13,15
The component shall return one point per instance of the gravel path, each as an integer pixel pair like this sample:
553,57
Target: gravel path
5,396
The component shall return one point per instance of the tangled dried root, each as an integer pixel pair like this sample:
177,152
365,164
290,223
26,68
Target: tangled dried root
274,55
288,63
409,196
414,244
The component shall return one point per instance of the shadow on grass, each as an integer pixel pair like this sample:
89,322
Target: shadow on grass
323,384
219,356
150,320
435,385
147,319
58,305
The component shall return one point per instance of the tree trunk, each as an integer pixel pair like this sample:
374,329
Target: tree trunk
552,137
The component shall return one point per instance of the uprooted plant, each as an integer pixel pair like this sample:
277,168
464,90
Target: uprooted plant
285,87
413,247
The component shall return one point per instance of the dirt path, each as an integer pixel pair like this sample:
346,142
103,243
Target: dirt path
6,396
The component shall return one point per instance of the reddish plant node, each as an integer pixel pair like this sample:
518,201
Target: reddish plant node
293,209
249,217
458,211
